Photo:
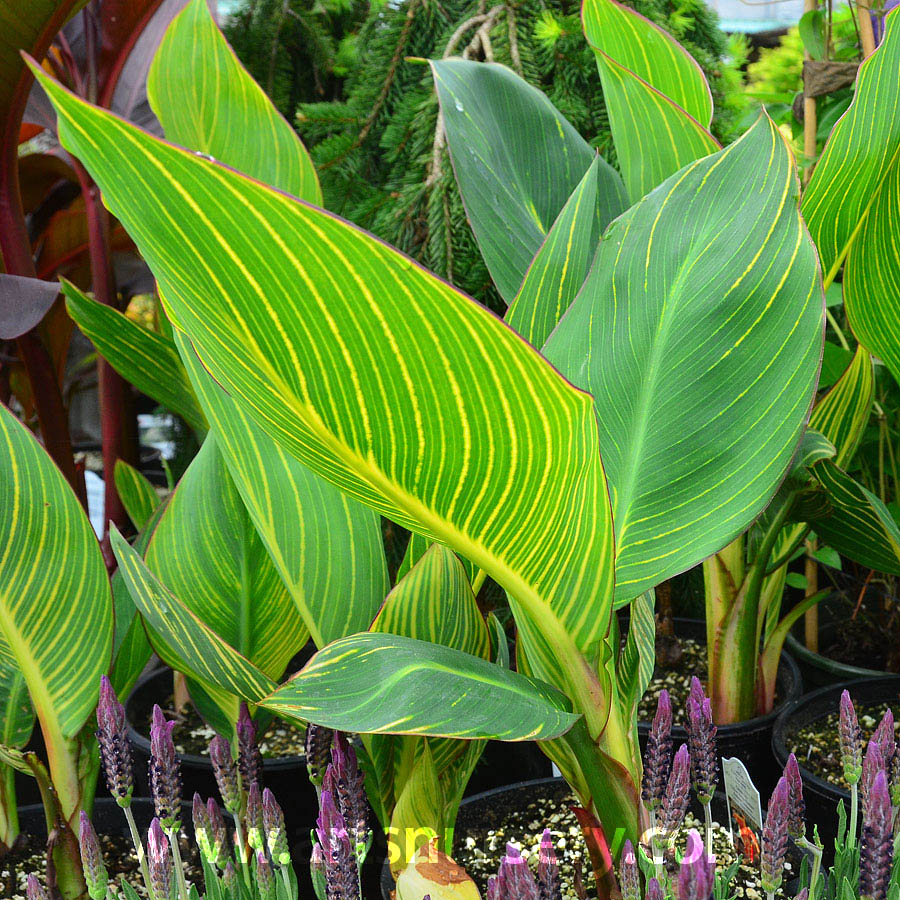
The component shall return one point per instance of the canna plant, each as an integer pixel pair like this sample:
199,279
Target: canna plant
412,399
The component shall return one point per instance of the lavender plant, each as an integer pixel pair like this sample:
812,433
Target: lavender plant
702,744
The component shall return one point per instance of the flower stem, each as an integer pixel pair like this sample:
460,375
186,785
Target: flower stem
138,848
854,813
707,813
179,866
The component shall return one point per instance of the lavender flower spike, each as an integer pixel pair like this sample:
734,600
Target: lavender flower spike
115,748
849,734
341,875
802,894
697,872
165,775
629,878
351,793
33,889
220,835
873,763
702,743
249,757
654,891
658,756
203,830
877,845
318,751
886,738
774,838
95,875
159,860
265,877
226,773
678,790
276,836
548,880
514,878
796,825
256,831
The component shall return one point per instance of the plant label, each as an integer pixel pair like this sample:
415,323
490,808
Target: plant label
744,804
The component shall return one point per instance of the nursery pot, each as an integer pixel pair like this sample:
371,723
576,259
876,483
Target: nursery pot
285,776
822,796
750,741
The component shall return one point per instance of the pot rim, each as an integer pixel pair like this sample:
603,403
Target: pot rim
786,662
779,746
827,664
142,742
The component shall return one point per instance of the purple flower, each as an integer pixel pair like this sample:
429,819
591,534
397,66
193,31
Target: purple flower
276,836
886,737
775,838
873,763
249,758
33,889
159,862
165,776
702,743
95,875
629,878
796,825
877,845
220,835
203,830
341,874
226,773
514,878
658,755
265,877
849,736
654,891
256,831
548,881
351,792
318,751
115,749
697,872
678,790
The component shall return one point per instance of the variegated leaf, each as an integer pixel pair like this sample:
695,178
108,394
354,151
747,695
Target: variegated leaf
137,494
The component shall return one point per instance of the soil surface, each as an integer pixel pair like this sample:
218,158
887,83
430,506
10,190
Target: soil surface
817,745
479,844
192,734
676,680
118,854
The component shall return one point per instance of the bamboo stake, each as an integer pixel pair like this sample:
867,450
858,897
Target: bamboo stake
810,124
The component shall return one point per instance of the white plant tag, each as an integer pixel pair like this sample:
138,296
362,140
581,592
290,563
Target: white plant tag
741,795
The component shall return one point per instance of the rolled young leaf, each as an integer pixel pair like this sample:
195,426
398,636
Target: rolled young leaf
699,333
516,160
138,496
376,682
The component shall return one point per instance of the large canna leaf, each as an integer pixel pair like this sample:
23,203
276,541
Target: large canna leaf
55,604
516,160
16,710
207,101
851,203
377,682
377,375
658,101
180,638
699,333
326,547
206,551
147,359
560,266
650,53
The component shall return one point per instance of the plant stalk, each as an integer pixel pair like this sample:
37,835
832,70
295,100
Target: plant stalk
138,848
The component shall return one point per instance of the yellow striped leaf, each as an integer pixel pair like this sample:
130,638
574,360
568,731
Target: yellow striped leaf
843,413
650,53
654,137
326,547
419,813
206,100
560,266
206,551
375,374
180,638
16,710
699,333
137,494
363,681
852,200
516,160
144,358
55,604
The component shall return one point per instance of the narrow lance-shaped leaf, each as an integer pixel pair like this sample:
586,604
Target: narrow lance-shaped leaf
55,604
138,496
208,554
561,265
699,333
852,200
377,681
516,160
180,638
148,360
333,341
326,547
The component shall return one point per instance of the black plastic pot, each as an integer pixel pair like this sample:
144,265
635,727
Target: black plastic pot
822,796
749,741
285,776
